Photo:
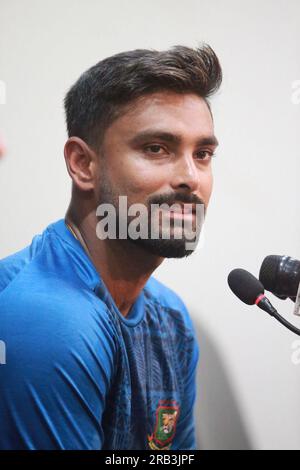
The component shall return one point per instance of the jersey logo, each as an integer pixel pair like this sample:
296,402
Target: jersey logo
167,414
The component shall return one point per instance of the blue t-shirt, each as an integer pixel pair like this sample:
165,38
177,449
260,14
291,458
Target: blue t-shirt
78,374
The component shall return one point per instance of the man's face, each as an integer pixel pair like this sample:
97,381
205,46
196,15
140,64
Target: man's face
159,151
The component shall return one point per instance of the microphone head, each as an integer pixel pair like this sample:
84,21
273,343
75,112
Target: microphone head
245,286
269,271
280,275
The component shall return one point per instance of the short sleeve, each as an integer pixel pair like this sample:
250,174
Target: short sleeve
60,357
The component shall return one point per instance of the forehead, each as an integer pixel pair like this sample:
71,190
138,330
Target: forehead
181,113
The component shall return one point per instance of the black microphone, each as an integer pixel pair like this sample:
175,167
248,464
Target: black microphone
251,291
281,276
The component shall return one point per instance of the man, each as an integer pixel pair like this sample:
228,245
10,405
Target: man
99,354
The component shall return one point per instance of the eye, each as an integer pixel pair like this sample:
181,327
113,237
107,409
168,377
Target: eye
154,148
205,155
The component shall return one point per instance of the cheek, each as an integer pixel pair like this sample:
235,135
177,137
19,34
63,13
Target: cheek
139,178
206,186
147,182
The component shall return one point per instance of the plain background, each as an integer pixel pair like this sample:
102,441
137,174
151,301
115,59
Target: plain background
248,387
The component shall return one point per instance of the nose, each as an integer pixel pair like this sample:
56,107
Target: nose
185,174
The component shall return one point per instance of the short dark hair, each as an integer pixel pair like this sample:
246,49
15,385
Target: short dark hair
101,93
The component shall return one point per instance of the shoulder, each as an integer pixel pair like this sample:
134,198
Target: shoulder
13,265
59,335
47,309
46,306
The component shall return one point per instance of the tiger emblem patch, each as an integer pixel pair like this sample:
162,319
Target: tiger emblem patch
167,414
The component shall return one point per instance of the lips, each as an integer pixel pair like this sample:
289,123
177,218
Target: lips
185,209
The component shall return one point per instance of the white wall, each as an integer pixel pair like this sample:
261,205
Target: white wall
249,390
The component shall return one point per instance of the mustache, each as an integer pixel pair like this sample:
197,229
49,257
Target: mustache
175,198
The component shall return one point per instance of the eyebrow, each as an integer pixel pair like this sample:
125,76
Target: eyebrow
172,138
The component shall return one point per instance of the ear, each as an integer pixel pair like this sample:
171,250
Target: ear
81,163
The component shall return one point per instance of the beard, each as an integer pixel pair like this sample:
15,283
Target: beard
164,248
178,243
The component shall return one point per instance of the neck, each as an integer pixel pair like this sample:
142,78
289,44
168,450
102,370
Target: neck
123,266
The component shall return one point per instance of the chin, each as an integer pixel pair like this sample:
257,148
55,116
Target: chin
165,248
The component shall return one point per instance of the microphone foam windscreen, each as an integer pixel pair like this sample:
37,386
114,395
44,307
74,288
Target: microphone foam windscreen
245,286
